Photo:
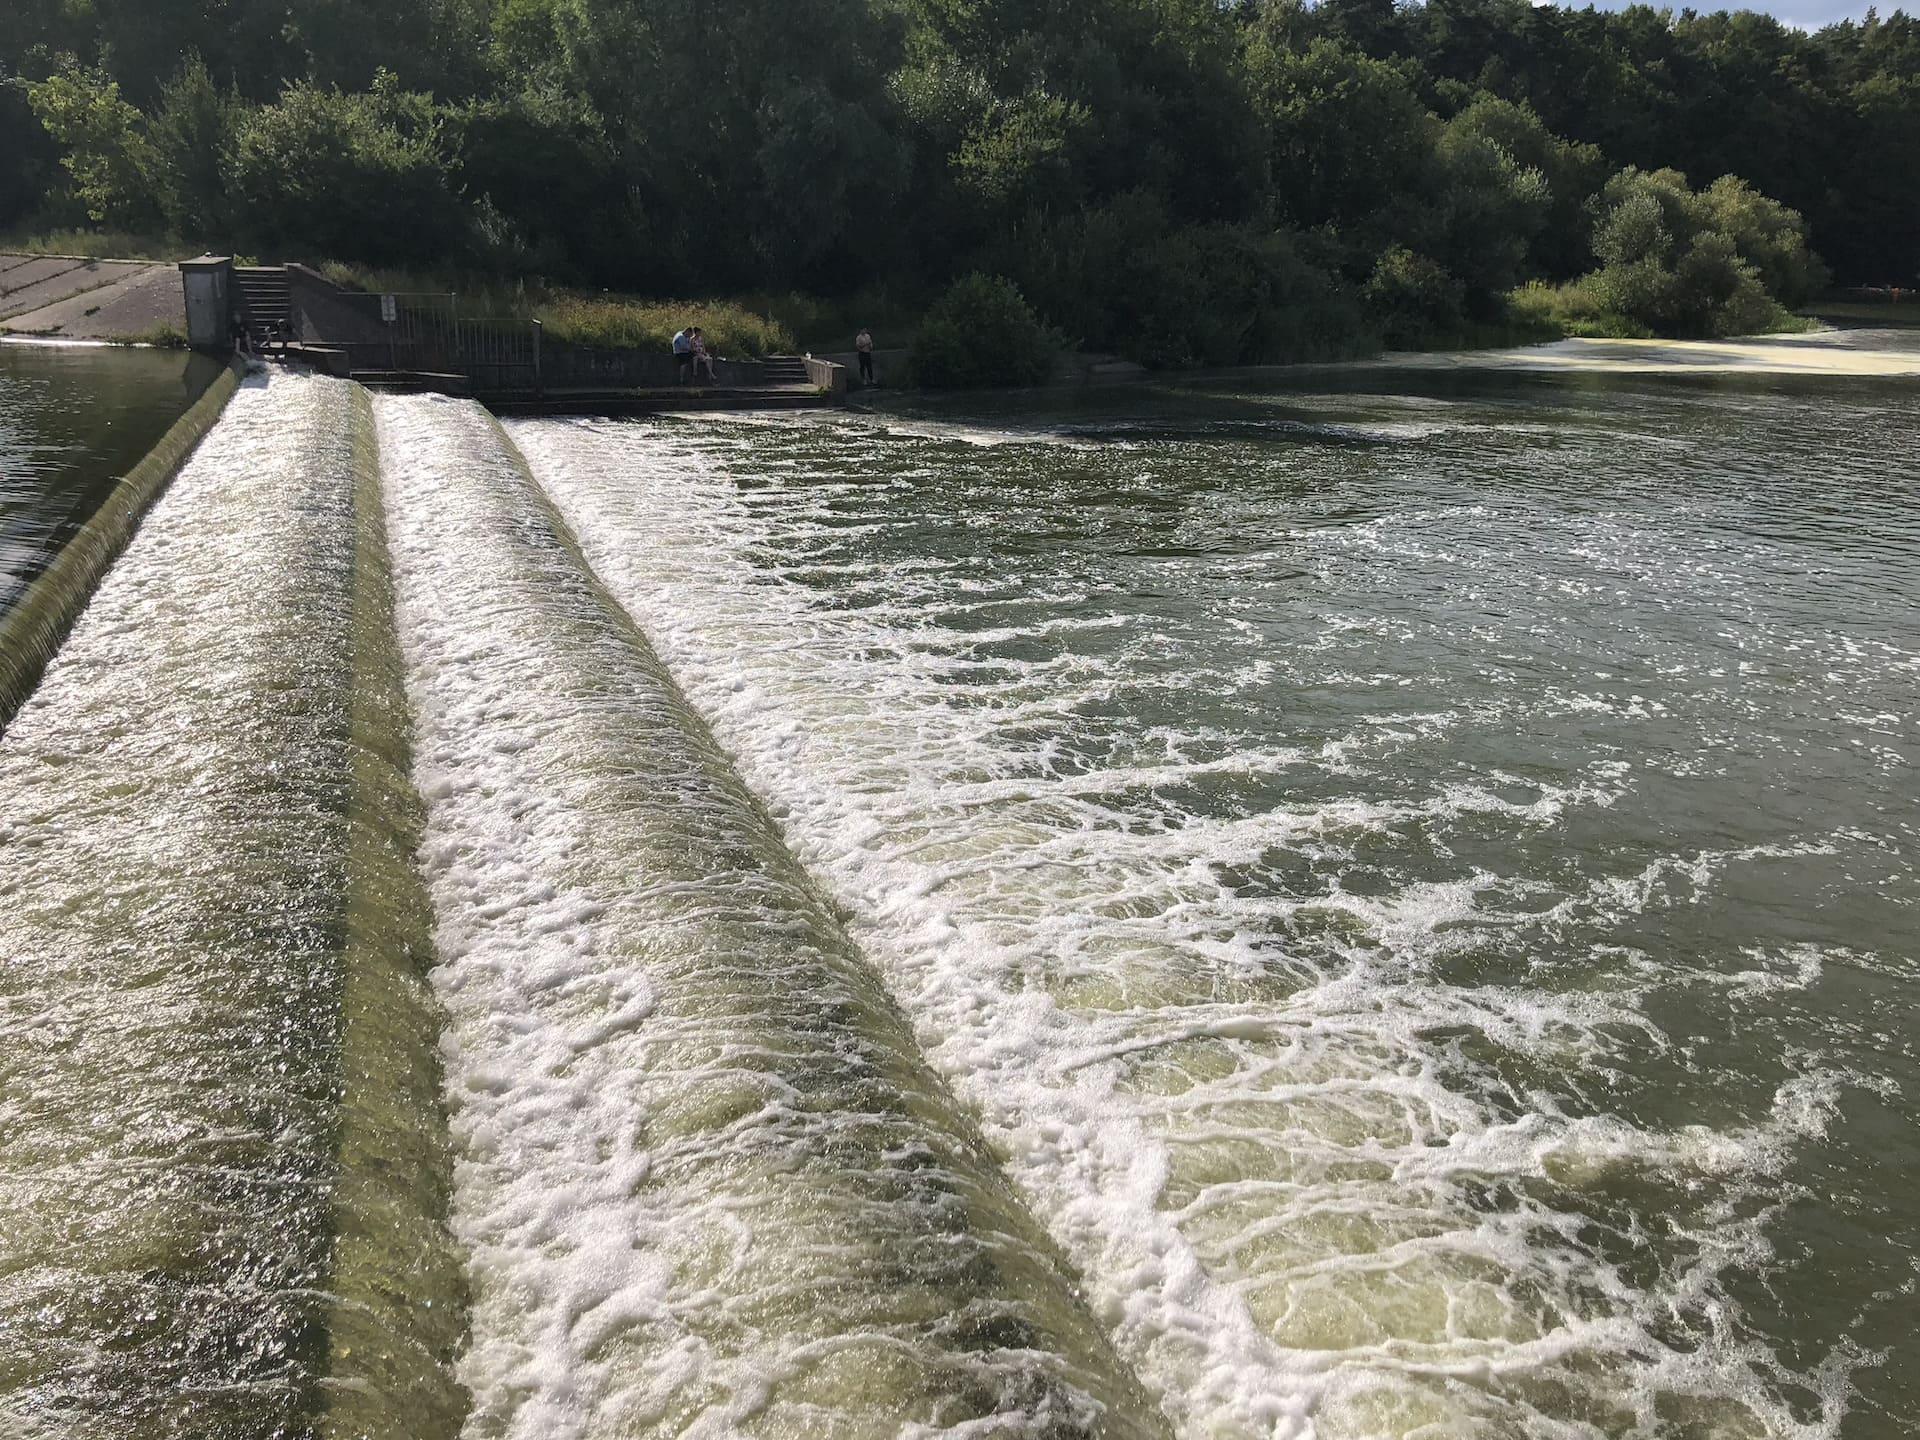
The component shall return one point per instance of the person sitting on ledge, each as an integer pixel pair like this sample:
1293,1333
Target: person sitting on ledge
683,356
701,358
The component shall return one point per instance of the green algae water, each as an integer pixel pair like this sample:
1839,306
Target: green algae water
73,420
1378,906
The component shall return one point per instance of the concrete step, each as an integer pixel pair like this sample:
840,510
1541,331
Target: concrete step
414,382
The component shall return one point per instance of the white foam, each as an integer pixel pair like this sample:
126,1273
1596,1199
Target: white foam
706,1187
1299,1204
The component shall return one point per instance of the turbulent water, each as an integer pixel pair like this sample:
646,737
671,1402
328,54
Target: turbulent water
708,1187
221,1173
1418,888
1377,910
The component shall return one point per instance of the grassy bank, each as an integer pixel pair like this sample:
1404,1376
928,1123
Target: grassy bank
95,245
600,318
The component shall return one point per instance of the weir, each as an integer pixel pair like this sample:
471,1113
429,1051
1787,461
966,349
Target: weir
222,1164
32,628
707,1184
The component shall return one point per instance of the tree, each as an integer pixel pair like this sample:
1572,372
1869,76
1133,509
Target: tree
323,173
191,140
1348,138
104,141
983,332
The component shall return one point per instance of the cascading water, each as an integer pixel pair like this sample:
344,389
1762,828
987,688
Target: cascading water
85,450
222,1162
1253,915
707,1186
1356,853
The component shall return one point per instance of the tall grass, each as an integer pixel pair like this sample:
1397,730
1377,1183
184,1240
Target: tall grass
1579,309
578,317
97,245
614,320
1573,309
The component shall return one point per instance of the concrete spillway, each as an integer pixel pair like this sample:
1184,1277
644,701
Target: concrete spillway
706,1184
222,1165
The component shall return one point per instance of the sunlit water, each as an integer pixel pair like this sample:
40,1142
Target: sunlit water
222,1172
1418,887
1384,908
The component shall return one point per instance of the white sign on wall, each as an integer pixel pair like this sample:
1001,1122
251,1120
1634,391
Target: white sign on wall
389,309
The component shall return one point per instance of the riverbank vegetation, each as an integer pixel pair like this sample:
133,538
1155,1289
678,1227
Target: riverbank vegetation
1176,181
580,317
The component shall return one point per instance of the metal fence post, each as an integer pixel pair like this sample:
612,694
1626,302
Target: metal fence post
539,387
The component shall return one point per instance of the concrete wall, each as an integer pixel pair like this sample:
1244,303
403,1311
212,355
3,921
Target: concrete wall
889,366
830,377
208,283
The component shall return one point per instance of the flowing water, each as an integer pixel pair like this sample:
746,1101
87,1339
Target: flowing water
708,1187
73,419
1418,887
1384,907
222,1175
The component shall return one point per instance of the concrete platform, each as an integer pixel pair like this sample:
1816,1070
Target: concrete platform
660,400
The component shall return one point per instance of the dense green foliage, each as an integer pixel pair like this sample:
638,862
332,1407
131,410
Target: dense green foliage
1181,181
982,332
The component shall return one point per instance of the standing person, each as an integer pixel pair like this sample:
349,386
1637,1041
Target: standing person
683,355
863,344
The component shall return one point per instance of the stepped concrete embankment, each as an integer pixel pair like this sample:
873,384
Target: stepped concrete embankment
70,297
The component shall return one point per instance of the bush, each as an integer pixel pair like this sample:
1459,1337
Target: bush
1128,278
982,332
1413,299
1769,236
1676,263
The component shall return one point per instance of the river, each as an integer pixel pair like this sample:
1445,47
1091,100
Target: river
1380,902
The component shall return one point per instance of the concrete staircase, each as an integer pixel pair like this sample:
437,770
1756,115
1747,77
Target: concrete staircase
262,303
786,370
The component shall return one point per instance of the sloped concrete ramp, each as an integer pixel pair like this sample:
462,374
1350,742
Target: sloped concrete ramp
79,299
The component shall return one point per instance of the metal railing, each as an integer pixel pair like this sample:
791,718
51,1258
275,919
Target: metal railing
426,333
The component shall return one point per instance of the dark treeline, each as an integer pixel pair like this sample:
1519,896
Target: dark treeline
1176,179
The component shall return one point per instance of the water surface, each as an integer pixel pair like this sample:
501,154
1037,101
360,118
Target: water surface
1414,873
73,420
